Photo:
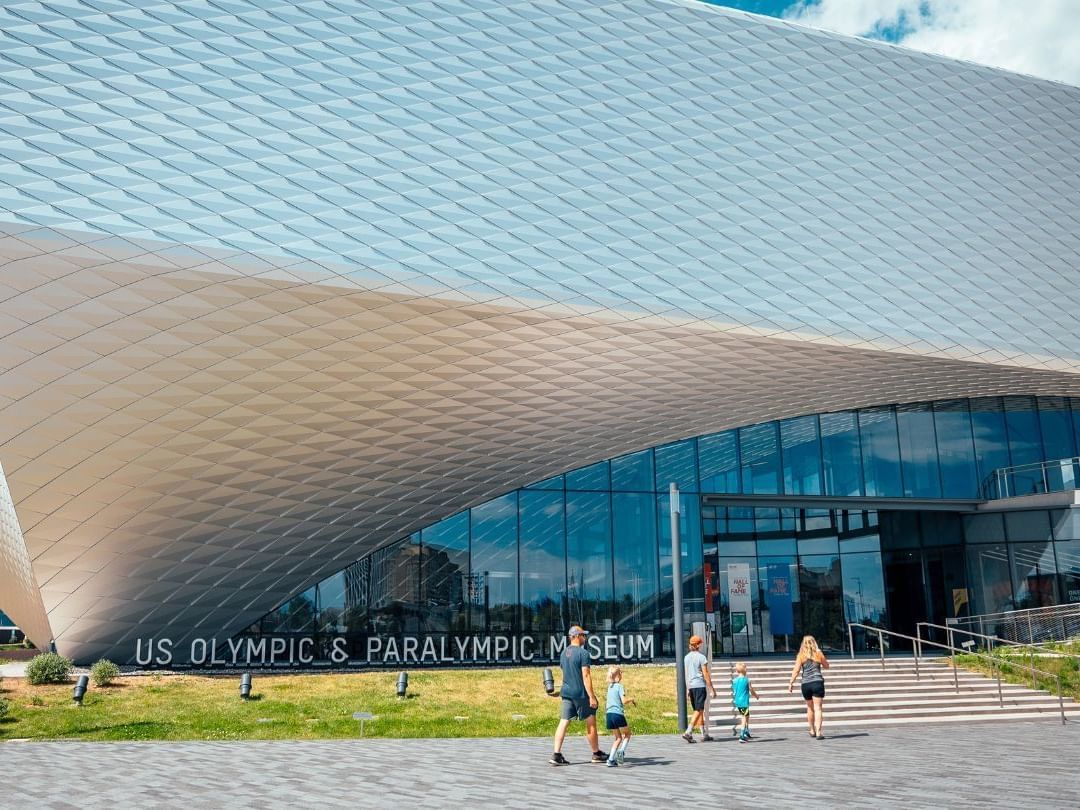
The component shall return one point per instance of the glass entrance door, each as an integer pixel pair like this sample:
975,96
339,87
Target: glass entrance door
821,598
905,592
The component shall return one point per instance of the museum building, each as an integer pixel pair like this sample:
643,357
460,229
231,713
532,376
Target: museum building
366,333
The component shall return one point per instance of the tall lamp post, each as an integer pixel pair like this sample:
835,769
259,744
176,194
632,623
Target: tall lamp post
676,592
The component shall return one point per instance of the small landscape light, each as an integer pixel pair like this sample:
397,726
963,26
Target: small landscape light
80,689
402,684
549,681
245,685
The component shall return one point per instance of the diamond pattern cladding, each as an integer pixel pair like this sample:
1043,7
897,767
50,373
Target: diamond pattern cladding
280,283
663,158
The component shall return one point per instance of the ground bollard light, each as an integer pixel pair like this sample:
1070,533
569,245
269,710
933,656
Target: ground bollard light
402,684
549,681
245,685
80,689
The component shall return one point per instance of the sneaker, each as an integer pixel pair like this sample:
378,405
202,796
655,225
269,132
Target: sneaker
599,756
612,763
688,737
821,736
558,759
749,736
734,731
743,739
706,738
620,757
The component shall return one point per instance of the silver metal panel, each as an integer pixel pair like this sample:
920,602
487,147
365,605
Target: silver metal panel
282,281
21,597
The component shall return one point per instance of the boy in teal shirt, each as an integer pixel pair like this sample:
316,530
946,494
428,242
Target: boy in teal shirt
741,690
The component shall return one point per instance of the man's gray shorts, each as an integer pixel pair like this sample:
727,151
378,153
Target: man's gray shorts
575,709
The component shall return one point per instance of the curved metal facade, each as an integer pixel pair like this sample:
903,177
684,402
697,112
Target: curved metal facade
282,282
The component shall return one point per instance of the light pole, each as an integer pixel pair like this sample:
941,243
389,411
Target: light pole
676,592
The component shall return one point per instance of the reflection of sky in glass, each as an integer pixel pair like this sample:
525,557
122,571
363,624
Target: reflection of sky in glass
653,158
638,535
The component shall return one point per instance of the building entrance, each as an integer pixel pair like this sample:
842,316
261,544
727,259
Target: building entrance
924,585
774,575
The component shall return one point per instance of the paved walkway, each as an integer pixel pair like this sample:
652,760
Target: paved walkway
1030,764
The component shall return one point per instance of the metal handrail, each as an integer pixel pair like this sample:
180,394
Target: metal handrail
1010,613
1031,648
1045,618
992,485
950,630
916,653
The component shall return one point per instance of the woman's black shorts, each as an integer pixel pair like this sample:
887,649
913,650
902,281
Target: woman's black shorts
814,689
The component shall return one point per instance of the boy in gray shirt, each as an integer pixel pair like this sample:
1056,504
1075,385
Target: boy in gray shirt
698,686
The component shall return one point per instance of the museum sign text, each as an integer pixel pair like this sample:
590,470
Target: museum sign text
374,651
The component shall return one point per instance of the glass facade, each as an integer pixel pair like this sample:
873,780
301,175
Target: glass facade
594,545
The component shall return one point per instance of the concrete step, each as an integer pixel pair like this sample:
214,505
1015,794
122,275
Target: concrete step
925,679
830,723
908,666
837,687
930,713
770,705
863,692
767,713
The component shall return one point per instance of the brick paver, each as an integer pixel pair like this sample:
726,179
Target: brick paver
1033,763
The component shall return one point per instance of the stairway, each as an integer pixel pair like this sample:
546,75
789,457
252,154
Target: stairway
860,692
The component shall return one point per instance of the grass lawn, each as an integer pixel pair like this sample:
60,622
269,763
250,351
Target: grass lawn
443,703
1014,662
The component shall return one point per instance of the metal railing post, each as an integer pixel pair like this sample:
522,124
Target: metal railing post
881,647
952,654
915,655
1061,698
997,674
851,640
1030,639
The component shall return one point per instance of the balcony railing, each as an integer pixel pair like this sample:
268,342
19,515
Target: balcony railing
1033,479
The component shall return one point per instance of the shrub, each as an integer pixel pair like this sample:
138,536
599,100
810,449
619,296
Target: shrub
47,668
5,707
103,672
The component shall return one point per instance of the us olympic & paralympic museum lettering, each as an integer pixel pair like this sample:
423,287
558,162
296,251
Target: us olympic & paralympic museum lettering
375,651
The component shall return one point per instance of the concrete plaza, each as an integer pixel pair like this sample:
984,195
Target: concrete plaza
961,765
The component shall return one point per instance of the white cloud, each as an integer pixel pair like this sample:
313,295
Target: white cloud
1039,38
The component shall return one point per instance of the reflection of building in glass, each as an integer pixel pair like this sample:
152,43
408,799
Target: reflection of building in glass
884,567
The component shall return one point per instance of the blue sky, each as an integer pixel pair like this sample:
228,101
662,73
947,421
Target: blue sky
890,31
1040,38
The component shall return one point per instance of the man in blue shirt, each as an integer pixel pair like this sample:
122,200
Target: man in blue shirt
578,700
